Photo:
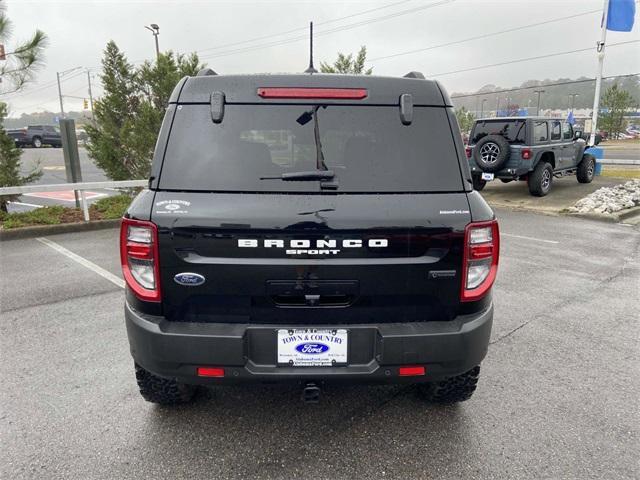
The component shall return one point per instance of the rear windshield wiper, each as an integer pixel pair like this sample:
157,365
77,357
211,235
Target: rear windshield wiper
303,176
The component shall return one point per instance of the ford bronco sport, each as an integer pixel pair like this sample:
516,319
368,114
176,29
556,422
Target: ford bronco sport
309,228
534,149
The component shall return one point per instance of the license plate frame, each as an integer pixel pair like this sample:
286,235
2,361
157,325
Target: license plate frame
312,347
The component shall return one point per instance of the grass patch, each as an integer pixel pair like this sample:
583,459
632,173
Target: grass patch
108,208
621,173
112,207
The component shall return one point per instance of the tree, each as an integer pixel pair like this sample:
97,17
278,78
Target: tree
347,64
129,114
22,60
616,102
465,119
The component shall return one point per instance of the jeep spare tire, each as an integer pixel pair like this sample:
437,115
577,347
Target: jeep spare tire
491,153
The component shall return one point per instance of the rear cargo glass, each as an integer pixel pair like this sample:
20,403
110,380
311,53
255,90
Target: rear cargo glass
367,147
512,130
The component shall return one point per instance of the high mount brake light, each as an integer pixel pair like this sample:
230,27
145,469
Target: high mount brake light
480,259
139,258
332,93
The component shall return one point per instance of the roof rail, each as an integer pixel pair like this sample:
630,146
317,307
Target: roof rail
414,75
205,72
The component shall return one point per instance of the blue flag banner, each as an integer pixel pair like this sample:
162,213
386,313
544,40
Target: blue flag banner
570,119
621,15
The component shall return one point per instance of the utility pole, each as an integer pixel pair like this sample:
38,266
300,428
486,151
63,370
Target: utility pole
573,96
482,108
155,30
539,92
90,94
60,95
497,105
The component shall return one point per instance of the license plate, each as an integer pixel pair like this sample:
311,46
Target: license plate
487,176
311,347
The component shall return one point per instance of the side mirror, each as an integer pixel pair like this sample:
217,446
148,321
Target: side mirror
598,139
577,134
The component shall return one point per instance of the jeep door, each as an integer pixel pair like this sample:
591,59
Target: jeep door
570,148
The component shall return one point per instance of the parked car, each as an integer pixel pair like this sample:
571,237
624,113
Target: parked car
357,254
36,136
535,149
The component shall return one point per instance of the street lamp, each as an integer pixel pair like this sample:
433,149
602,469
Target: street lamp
539,92
482,108
573,96
155,30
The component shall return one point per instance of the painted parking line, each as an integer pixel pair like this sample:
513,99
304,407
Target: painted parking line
83,261
64,195
529,238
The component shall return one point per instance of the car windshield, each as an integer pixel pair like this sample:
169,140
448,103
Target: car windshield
256,147
512,130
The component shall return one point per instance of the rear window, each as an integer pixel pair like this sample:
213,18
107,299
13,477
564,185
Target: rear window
513,130
367,147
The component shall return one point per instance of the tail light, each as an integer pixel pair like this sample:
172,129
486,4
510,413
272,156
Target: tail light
525,153
139,258
480,259
468,152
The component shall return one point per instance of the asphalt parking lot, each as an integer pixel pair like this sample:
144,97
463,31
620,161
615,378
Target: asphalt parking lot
558,395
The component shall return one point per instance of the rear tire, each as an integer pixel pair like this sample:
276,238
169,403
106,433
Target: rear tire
478,183
452,390
586,168
540,180
163,391
36,142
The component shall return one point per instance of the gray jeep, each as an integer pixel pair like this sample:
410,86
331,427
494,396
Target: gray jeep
534,149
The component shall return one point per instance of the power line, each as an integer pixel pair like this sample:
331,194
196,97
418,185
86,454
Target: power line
487,35
327,32
302,28
556,84
538,57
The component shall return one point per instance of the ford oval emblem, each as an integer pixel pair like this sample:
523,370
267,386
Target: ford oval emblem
310,348
189,279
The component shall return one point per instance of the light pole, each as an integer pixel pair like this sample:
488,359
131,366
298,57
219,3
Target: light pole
573,96
539,92
482,108
497,105
155,30
58,76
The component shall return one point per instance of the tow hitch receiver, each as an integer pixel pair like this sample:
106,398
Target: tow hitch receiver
311,393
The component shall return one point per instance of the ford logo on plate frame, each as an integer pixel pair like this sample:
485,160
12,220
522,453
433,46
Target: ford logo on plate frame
312,348
189,279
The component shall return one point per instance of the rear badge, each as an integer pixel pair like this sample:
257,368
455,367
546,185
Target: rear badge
189,279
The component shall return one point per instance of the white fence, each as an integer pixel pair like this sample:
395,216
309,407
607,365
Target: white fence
80,187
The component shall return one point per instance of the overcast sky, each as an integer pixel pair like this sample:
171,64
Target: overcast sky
79,29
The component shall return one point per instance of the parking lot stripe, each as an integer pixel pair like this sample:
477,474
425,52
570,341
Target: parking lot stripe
83,261
529,238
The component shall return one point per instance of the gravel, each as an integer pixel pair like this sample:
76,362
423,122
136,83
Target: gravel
610,199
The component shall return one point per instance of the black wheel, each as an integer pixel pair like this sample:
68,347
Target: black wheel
540,179
452,390
586,168
491,153
36,142
164,391
478,183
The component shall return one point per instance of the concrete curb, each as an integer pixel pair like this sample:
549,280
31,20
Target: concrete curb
615,217
46,230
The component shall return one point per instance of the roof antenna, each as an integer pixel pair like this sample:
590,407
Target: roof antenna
310,69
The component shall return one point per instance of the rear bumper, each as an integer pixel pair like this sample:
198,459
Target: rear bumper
248,352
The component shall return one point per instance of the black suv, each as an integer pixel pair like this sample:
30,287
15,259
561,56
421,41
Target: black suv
535,149
309,228
36,136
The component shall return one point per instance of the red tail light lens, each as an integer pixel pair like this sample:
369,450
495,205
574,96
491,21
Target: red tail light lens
335,93
468,152
525,153
480,259
139,258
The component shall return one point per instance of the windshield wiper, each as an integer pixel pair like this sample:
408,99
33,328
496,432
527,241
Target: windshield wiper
303,176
